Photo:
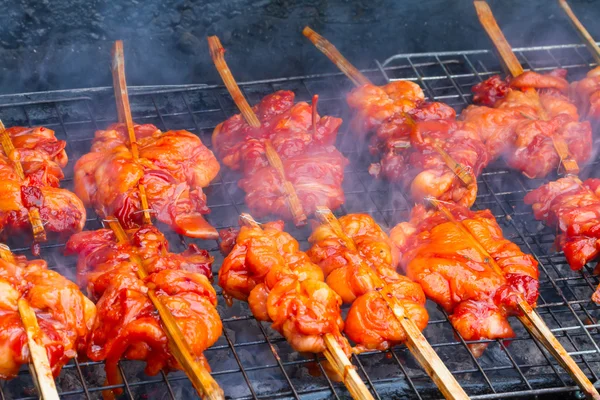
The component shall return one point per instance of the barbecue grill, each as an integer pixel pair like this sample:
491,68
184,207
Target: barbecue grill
251,360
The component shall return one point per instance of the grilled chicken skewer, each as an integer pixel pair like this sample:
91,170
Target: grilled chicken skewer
573,207
478,298
30,172
284,150
168,291
419,143
132,275
503,283
266,268
45,320
548,126
359,261
134,172
586,92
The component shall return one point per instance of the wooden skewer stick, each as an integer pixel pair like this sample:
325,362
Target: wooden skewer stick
217,53
459,170
529,318
487,20
416,342
334,353
35,219
327,48
359,79
585,35
315,101
293,200
510,61
124,113
201,379
39,364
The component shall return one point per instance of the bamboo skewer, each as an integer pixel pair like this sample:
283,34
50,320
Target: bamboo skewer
35,219
459,170
510,61
201,379
39,364
124,114
583,33
359,79
315,101
529,318
293,201
217,53
416,342
334,353
327,48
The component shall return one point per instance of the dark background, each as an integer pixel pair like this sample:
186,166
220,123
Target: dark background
58,44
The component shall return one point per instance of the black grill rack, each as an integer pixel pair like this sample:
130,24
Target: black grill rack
250,360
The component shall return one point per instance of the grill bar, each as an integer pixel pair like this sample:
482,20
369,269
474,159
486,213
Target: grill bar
251,361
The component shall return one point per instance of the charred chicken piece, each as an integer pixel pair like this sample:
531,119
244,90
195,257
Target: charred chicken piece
410,155
573,207
65,316
42,157
586,94
374,105
370,322
174,166
267,269
438,255
409,134
312,164
521,116
128,325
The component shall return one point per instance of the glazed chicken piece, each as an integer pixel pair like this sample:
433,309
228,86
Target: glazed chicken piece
573,207
65,316
454,273
174,166
404,131
373,105
528,111
408,156
267,269
128,325
42,157
370,322
586,94
312,164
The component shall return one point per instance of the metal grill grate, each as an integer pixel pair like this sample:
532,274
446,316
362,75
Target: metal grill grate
252,361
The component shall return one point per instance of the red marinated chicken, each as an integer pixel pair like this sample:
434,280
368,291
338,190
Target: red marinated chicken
586,94
128,325
574,208
42,157
312,164
64,314
454,273
409,156
370,322
406,131
528,112
281,284
174,166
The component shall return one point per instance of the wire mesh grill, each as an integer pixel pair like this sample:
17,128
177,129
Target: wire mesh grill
250,360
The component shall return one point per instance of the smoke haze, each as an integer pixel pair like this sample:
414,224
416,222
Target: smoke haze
47,45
